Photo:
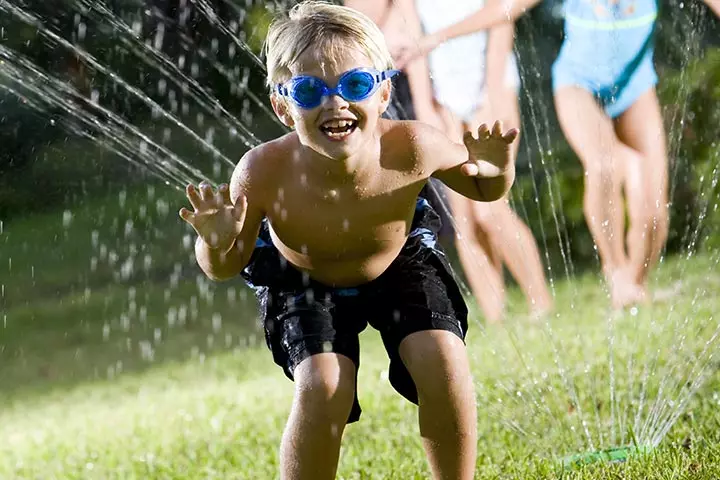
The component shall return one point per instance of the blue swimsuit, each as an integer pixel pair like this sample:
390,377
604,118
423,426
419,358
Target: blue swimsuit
608,50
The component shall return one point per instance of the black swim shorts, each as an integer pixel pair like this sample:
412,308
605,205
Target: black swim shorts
303,317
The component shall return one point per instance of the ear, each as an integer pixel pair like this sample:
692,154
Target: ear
282,110
385,96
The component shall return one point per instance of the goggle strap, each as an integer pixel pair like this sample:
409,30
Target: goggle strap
387,74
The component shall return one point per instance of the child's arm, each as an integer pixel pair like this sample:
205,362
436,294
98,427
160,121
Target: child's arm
227,223
714,6
483,169
377,11
417,71
499,50
495,12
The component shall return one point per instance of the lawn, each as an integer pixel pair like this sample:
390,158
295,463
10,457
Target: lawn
119,360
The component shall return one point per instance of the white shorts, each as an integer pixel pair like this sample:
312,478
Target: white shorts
457,67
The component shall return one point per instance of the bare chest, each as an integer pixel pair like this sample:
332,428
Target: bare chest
345,222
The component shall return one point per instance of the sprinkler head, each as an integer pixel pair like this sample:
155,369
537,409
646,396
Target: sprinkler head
616,454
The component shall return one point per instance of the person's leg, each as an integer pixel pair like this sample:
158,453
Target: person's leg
314,338
324,395
474,251
482,270
439,367
514,242
509,236
641,127
483,273
591,135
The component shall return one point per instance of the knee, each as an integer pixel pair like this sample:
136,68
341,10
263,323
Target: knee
652,216
600,177
325,393
439,366
611,170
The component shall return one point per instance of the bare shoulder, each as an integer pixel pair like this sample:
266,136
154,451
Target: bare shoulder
256,172
423,143
400,142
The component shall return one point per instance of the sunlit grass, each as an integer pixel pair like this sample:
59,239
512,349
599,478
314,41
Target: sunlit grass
77,402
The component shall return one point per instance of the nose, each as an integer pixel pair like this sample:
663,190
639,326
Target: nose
334,101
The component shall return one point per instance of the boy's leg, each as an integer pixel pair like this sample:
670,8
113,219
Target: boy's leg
605,159
641,127
324,395
439,367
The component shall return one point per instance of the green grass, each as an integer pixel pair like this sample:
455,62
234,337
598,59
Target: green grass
110,373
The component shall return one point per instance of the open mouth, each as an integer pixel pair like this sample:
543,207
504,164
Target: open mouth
338,129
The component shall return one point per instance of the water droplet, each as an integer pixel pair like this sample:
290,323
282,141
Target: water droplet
67,218
216,322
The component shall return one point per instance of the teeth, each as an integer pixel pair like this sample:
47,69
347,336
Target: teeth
338,123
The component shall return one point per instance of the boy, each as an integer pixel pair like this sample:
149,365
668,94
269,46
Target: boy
343,240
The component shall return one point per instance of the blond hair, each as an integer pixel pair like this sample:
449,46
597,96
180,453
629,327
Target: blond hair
322,25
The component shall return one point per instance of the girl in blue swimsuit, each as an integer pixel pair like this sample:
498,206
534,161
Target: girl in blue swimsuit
604,88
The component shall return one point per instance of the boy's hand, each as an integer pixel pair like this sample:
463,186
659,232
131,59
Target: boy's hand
490,153
215,219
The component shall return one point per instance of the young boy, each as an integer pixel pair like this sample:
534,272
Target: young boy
326,224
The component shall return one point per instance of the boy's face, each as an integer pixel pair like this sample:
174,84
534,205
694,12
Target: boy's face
336,128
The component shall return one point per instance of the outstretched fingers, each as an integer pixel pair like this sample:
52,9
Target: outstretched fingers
470,169
206,191
193,195
240,207
483,132
224,194
511,135
187,215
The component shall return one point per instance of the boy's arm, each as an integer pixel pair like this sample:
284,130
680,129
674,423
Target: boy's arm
482,169
217,264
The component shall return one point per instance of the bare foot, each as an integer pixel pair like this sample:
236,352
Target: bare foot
538,313
624,291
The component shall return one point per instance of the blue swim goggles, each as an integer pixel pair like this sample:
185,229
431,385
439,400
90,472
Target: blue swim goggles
354,86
